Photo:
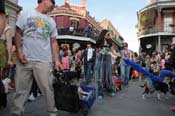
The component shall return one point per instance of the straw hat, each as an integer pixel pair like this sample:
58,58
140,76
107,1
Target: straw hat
173,41
76,45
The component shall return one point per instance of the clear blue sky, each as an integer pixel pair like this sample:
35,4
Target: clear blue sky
122,14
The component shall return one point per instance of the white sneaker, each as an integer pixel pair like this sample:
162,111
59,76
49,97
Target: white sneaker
8,80
55,110
6,85
31,98
39,94
143,97
53,114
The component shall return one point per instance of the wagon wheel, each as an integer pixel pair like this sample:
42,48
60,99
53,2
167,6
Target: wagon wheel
85,110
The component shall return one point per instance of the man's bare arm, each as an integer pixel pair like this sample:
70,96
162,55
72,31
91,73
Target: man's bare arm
8,35
2,23
18,43
55,51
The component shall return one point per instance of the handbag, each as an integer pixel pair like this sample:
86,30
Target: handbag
3,95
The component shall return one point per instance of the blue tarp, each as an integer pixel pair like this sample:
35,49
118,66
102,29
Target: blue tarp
145,72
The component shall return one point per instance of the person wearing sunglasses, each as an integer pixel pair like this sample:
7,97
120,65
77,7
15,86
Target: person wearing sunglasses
37,49
103,64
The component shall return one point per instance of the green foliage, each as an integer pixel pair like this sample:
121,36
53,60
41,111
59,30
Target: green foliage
144,19
3,54
137,26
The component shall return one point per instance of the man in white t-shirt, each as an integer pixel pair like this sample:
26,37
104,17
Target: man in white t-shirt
35,45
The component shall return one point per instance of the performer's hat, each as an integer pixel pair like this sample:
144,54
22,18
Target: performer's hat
173,41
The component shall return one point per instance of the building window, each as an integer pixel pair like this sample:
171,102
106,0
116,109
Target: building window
75,24
168,20
163,47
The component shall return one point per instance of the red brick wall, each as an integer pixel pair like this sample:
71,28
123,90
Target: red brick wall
62,21
82,23
59,21
161,24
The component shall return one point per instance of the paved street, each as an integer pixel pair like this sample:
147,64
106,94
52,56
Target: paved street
127,102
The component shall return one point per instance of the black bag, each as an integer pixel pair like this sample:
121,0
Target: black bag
66,95
117,60
3,95
171,60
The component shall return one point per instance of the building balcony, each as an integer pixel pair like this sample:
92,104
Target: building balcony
157,13
153,31
78,32
158,3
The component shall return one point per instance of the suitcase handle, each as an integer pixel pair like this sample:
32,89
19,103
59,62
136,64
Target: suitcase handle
61,76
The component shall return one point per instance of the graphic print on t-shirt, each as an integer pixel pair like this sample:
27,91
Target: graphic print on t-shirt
38,28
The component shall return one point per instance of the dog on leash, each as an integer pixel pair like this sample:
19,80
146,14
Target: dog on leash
117,83
152,86
3,93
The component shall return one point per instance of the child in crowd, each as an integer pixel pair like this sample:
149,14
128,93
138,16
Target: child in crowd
65,60
135,74
162,61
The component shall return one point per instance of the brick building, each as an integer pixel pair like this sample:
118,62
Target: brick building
74,23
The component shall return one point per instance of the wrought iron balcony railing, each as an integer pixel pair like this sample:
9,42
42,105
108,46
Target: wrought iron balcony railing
78,32
169,29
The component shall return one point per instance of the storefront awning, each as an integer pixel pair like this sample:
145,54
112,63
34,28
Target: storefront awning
77,38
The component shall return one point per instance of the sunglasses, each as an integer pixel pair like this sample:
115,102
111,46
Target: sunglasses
108,34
